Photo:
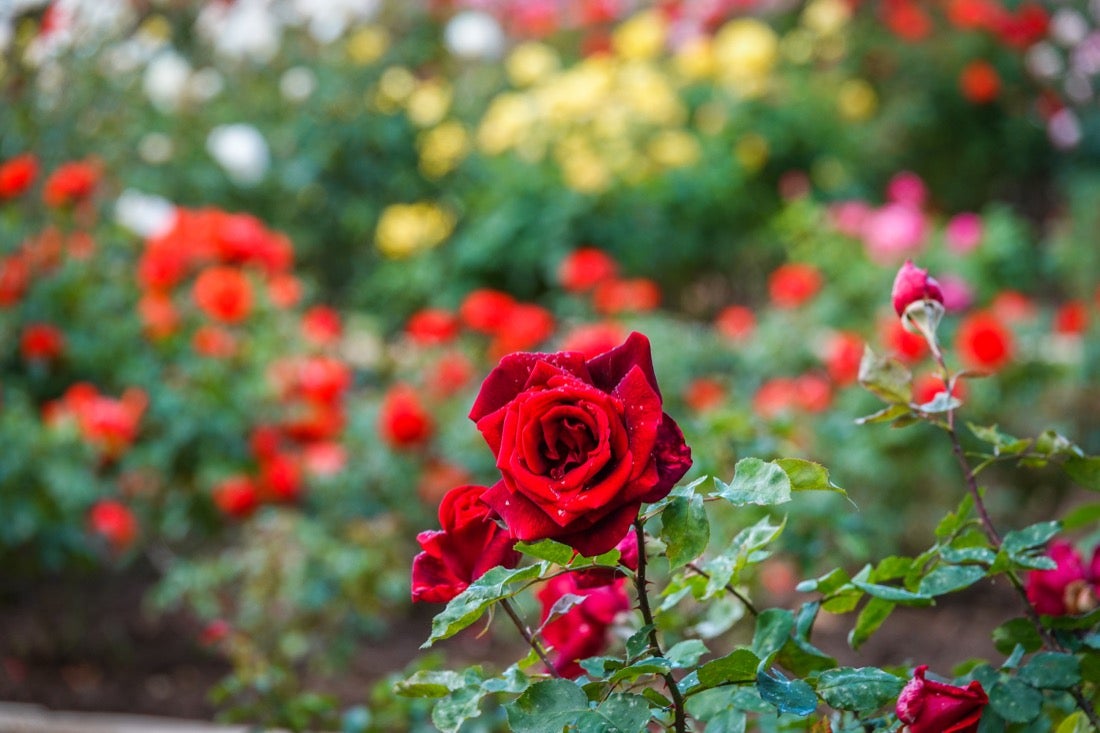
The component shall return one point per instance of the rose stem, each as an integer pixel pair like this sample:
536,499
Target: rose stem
995,538
526,634
647,616
729,588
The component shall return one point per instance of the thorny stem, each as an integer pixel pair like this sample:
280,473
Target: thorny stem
729,588
526,634
991,531
647,617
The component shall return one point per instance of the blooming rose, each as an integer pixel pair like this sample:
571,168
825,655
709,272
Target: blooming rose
223,293
113,521
470,544
1069,588
984,343
580,632
403,421
793,284
926,706
579,444
17,175
586,268
236,496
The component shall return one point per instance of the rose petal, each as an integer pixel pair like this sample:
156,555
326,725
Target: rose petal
609,368
510,378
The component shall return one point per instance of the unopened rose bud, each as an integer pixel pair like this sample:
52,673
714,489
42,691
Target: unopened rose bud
913,285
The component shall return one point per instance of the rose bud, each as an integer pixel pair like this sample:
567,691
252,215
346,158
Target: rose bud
580,632
469,544
580,444
913,285
926,706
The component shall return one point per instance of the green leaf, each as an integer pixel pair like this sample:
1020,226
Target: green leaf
886,378
808,476
549,550
941,402
686,653
873,615
1016,632
619,713
1015,701
886,414
1085,471
788,696
1082,516
888,592
1051,670
685,530
468,606
737,666
990,434
547,707
756,482
950,525
950,578
451,712
859,690
1028,538
1076,723
650,666
638,643
746,546
429,683
827,584
773,628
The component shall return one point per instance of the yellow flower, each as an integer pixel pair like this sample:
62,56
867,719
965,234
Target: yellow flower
428,103
711,118
746,51
442,148
368,44
647,91
856,100
407,229
751,152
577,93
581,168
674,149
641,37
695,59
826,17
506,122
156,28
531,63
394,87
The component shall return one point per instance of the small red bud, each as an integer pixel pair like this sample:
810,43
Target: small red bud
913,284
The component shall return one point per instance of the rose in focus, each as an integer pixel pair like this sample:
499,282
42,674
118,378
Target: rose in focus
927,706
580,444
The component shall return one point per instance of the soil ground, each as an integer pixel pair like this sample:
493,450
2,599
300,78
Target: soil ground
88,646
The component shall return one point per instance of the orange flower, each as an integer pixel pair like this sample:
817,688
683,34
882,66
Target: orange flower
214,342
979,82
223,293
704,394
17,175
284,291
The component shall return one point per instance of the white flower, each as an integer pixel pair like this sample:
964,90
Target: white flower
206,84
144,214
241,151
165,80
155,148
243,29
297,84
473,34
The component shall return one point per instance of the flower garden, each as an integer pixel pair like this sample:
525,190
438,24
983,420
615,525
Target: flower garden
618,351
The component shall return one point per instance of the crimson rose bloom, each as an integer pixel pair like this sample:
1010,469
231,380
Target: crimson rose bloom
1069,588
580,632
470,544
926,706
579,444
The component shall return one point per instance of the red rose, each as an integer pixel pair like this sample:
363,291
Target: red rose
17,175
980,82
524,327
636,295
735,322
486,309
1072,318
223,293
926,706
432,326
581,632
984,343
158,314
704,394
403,422
579,444
586,268
113,521
41,342
628,558
236,496
1067,589
793,284
321,326
469,544
70,183
843,354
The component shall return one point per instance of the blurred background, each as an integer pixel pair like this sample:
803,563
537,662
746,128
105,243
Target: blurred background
257,255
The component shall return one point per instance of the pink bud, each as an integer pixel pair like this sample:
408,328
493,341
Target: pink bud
913,284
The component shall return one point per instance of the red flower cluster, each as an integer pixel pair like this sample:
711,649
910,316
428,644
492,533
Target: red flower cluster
783,395
108,424
513,326
1069,588
221,250
927,706
1018,28
71,183
592,271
